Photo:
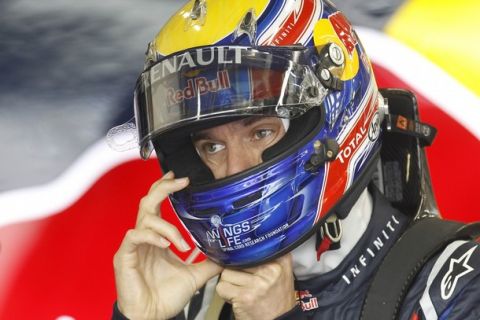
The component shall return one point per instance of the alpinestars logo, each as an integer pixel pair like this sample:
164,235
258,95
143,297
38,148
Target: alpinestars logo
457,269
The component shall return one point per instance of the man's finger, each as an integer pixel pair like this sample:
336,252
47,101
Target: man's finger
163,184
150,203
133,238
164,229
273,269
228,291
204,271
167,176
238,278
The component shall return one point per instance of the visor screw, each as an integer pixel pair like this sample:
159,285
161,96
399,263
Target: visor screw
283,112
325,74
336,54
198,10
317,158
332,149
312,91
216,221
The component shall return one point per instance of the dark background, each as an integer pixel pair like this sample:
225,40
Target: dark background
67,71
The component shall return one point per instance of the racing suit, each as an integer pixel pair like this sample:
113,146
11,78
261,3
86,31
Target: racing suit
335,287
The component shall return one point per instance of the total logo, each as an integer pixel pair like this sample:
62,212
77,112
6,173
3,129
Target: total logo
373,133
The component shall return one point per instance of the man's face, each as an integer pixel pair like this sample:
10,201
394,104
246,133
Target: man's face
236,146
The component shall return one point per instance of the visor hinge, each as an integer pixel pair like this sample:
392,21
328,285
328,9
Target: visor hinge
328,80
248,26
322,152
329,235
150,56
331,66
197,15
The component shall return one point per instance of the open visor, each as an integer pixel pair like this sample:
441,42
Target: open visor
212,82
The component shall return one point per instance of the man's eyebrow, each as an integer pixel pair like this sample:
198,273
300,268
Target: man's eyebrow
251,120
197,136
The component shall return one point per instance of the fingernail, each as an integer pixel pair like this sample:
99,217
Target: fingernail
185,245
182,180
168,175
164,243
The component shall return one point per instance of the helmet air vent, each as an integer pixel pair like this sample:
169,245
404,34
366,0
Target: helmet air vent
248,26
242,202
197,15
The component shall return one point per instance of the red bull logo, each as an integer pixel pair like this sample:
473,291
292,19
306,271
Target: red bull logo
198,86
307,300
344,31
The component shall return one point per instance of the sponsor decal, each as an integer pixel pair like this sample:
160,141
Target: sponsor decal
197,58
375,247
344,31
416,128
240,235
355,141
457,269
366,62
374,130
352,145
337,172
197,87
296,24
228,235
307,301
402,122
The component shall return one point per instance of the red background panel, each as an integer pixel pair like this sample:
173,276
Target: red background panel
62,265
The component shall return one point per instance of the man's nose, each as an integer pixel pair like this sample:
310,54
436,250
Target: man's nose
241,158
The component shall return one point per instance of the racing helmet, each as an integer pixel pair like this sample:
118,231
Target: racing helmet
219,61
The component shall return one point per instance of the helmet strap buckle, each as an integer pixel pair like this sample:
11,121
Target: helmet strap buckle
329,235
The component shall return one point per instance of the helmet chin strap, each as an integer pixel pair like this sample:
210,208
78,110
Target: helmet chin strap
328,236
353,227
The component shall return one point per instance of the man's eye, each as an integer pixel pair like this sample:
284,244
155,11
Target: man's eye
263,133
212,148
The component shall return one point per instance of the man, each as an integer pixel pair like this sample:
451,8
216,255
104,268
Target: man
226,149
268,113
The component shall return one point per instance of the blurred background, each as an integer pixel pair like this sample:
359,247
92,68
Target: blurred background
67,72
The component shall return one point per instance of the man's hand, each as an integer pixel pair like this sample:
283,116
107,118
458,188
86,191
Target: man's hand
263,292
152,282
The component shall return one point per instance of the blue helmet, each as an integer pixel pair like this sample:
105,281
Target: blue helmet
218,61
